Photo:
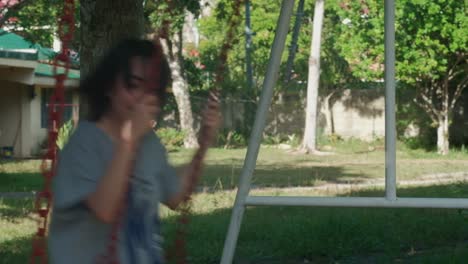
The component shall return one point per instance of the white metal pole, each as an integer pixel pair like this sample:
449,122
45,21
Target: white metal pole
257,130
390,127
453,203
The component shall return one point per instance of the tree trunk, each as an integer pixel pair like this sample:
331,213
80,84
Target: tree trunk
328,111
310,131
173,50
103,23
443,134
443,121
190,31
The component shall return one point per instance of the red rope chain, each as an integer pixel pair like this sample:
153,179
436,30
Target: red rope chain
111,256
57,102
49,163
178,251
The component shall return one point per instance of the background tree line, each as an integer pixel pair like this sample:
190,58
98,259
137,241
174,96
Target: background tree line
431,48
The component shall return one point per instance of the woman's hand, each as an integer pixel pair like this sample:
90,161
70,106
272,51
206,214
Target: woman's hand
141,119
211,121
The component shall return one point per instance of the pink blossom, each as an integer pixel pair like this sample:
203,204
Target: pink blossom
8,3
194,53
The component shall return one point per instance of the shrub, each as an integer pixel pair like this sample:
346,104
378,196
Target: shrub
171,138
231,139
64,134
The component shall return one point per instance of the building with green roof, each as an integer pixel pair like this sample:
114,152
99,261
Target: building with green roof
26,83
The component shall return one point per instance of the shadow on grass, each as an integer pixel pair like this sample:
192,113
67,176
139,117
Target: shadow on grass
280,176
337,235
224,174
15,209
318,235
13,213
16,251
20,182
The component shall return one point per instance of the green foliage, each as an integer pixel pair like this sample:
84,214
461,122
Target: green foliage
429,37
273,139
64,134
162,15
159,12
431,51
38,20
195,70
171,138
231,139
331,139
263,16
408,114
420,142
293,140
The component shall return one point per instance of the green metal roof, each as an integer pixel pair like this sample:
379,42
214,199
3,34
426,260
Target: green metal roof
13,46
18,54
43,69
11,41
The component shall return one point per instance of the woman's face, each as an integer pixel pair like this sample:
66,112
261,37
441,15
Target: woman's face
125,96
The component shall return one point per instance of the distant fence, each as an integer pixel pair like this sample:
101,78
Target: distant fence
356,113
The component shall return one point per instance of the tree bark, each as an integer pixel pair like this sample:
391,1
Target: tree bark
101,27
310,132
328,110
173,50
443,134
105,22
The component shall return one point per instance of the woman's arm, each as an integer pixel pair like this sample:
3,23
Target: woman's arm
189,177
107,200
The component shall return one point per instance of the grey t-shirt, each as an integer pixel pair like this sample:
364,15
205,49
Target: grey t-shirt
76,235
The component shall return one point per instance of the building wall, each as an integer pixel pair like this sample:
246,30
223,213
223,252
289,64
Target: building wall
347,113
354,114
20,118
26,97
10,115
38,134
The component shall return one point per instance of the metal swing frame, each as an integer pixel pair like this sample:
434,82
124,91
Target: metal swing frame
390,200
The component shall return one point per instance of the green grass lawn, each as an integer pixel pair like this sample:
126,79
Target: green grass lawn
352,162
291,234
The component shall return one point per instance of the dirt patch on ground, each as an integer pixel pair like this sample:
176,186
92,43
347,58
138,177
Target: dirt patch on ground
343,188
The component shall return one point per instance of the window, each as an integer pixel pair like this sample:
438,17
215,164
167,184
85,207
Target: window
46,93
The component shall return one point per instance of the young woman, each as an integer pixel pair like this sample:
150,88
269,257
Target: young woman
114,172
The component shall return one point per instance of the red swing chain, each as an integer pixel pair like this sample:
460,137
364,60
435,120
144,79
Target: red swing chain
49,163
111,256
178,251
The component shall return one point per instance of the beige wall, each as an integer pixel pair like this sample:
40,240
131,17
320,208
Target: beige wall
10,115
354,114
20,118
347,113
38,134
16,117
26,129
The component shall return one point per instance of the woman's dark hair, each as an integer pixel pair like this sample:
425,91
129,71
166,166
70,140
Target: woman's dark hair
97,86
